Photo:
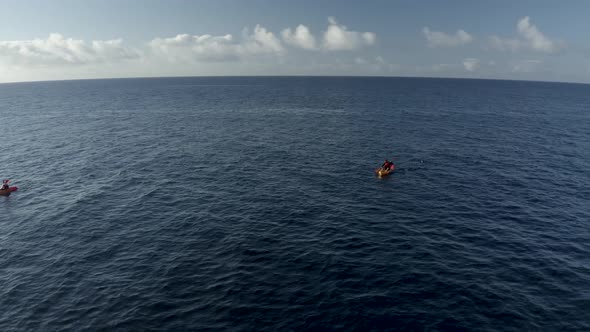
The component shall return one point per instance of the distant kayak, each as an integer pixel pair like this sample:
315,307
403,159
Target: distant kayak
6,192
381,172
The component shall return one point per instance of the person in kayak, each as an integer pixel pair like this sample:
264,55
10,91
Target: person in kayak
4,185
387,165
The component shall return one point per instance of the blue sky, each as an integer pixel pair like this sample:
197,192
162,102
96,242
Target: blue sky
531,40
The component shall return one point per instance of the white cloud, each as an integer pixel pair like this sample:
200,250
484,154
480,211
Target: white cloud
531,38
438,38
58,50
261,41
536,39
217,48
338,37
302,37
470,64
186,47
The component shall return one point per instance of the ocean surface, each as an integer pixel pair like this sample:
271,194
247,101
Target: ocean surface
251,204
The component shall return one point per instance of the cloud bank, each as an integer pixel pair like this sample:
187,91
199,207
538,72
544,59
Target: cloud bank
438,38
334,49
59,50
301,37
208,48
531,38
337,37
205,48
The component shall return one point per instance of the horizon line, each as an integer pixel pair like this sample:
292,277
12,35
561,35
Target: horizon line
291,76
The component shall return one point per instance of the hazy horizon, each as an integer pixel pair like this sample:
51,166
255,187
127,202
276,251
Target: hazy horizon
291,76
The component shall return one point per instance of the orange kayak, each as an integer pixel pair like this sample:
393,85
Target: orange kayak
381,172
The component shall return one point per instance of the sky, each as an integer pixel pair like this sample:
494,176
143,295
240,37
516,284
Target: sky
78,39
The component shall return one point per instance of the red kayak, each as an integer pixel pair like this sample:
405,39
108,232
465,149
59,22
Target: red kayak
6,192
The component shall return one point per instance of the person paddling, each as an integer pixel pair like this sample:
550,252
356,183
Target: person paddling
4,184
387,165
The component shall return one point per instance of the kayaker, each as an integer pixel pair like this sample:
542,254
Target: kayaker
387,164
4,185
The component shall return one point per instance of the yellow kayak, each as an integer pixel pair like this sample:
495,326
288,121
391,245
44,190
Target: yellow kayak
381,172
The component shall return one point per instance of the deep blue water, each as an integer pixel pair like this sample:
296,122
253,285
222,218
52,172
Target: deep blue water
250,204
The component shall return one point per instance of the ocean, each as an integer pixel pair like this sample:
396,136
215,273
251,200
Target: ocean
251,204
